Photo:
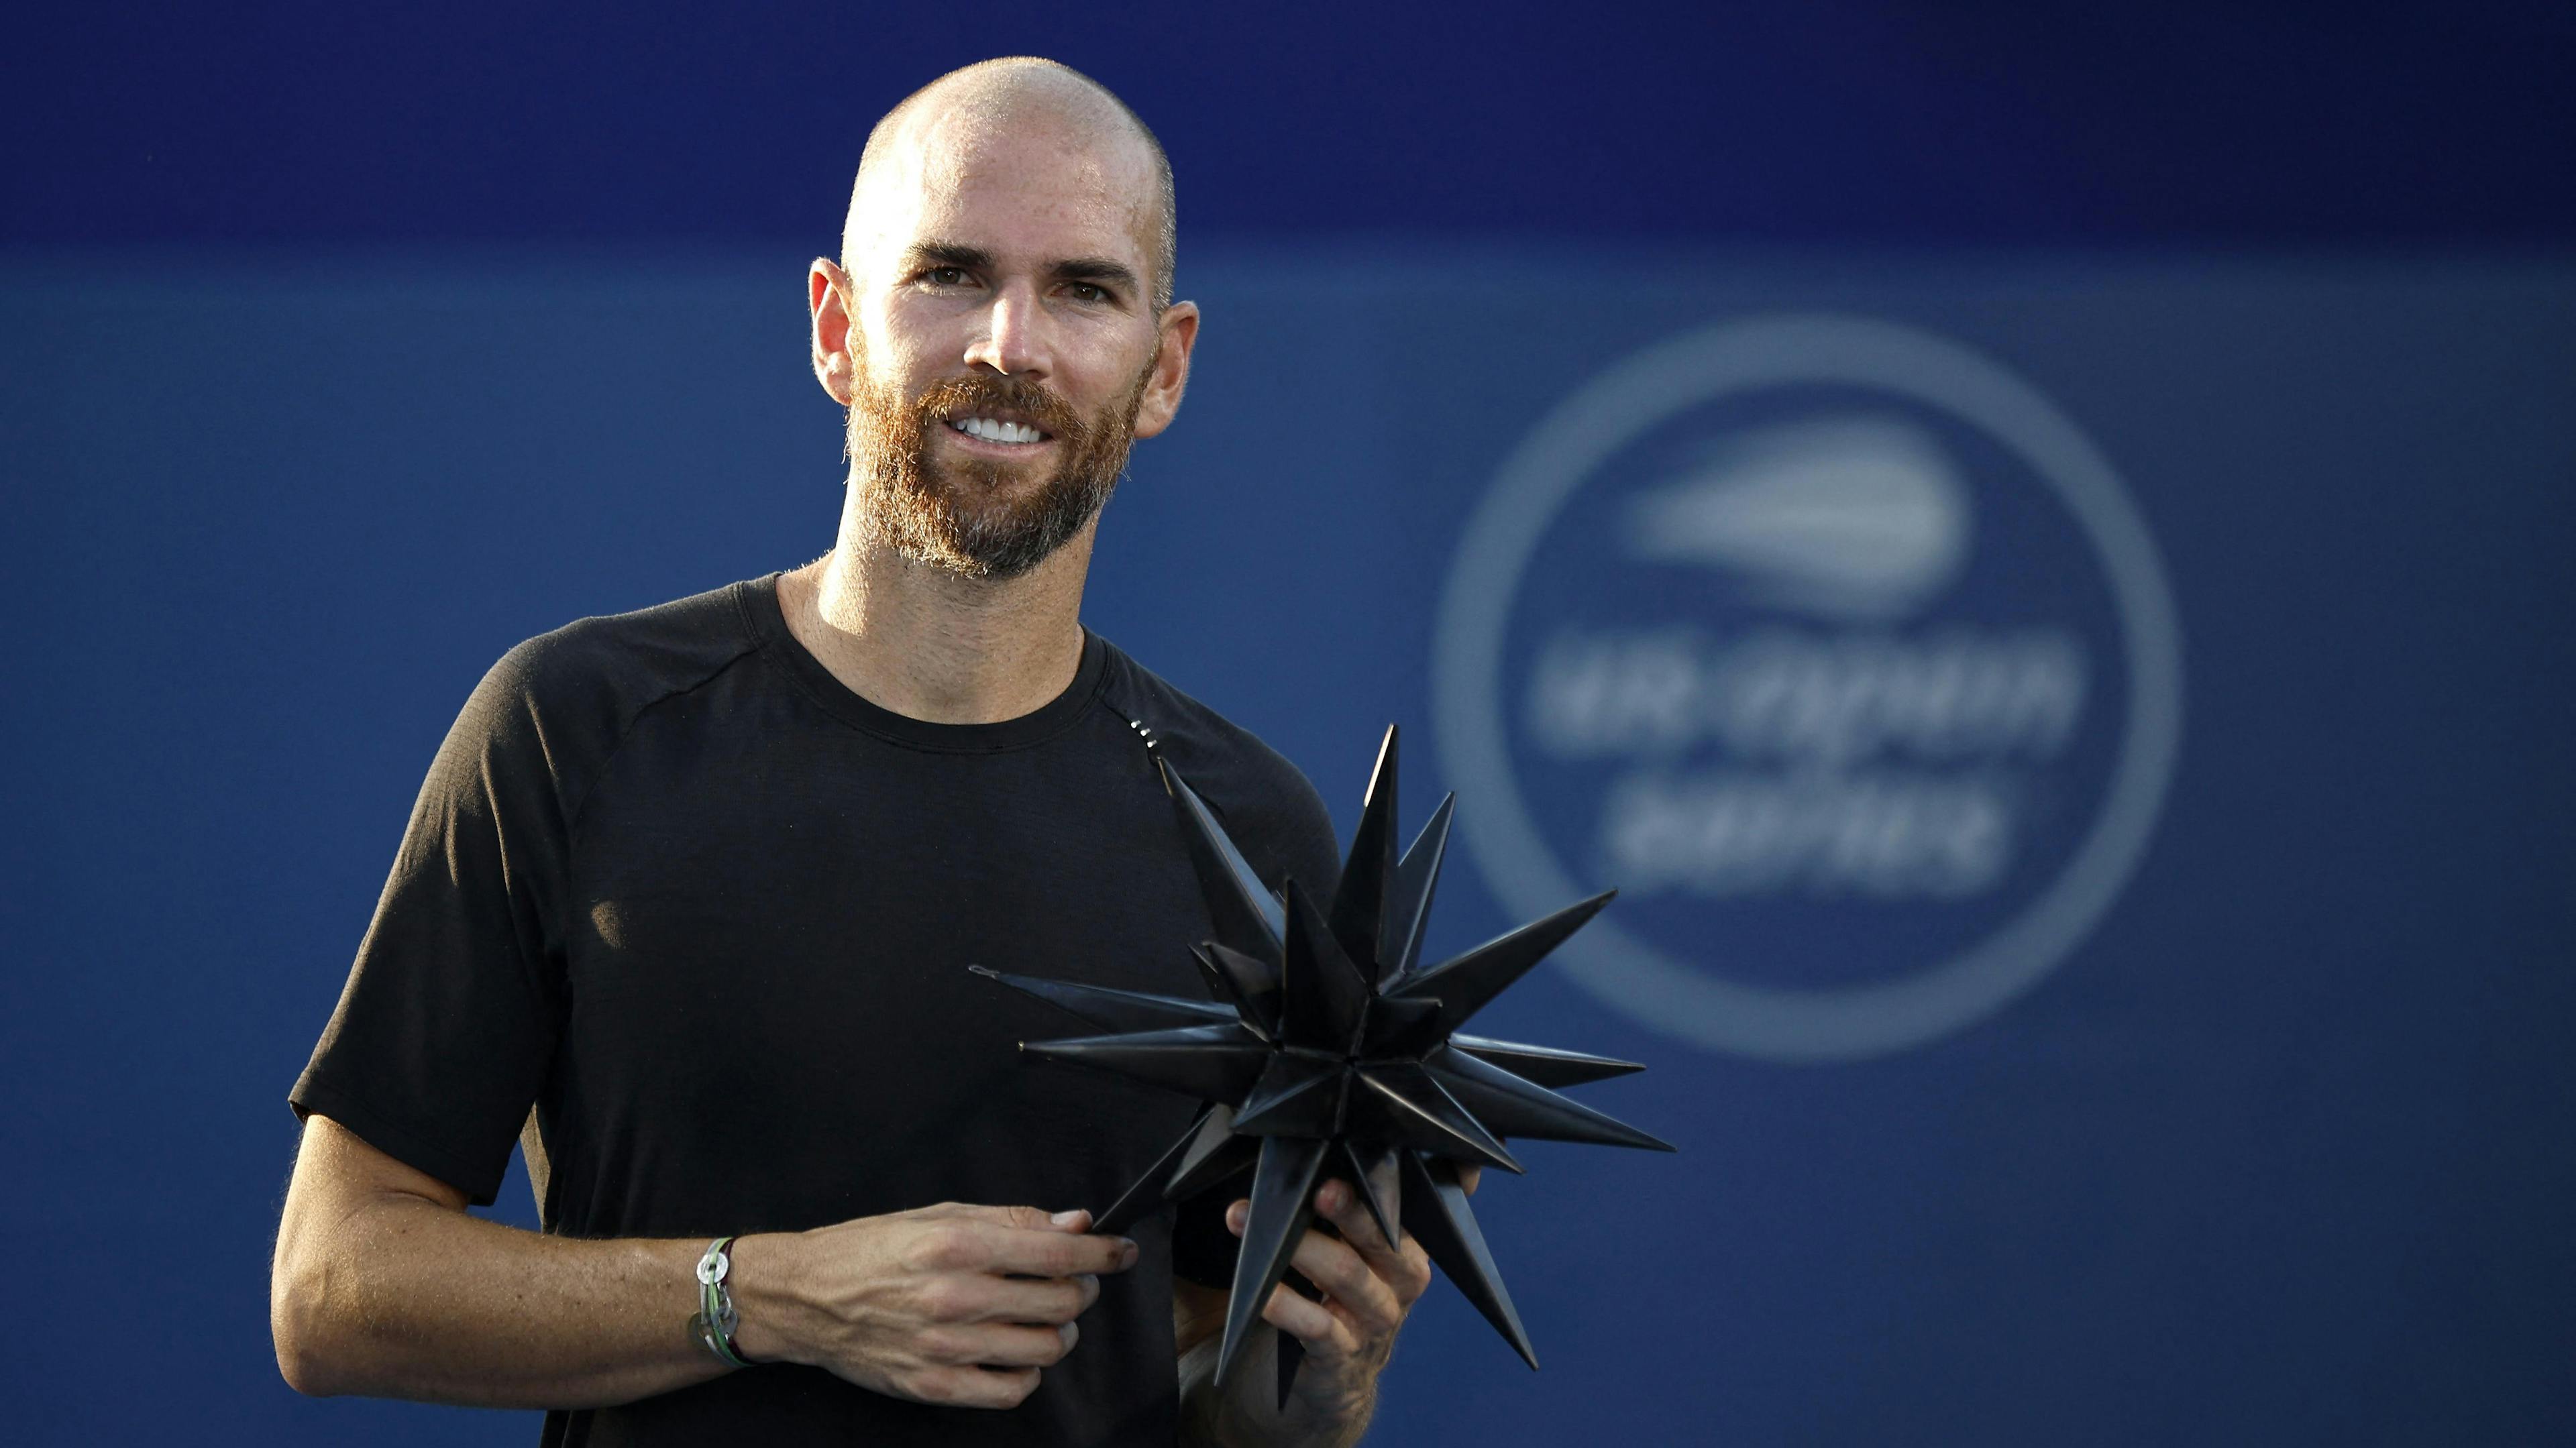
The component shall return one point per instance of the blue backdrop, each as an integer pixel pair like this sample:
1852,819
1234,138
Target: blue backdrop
2276,1151
2079,724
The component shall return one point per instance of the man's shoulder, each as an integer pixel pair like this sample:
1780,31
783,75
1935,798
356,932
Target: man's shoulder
1188,731
571,693
1266,802
626,661
683,641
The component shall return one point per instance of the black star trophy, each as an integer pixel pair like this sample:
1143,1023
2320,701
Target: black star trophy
1328,1050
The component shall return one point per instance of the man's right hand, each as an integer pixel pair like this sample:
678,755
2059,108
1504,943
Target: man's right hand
952,1304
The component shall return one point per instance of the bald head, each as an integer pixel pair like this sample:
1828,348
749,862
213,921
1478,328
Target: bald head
933,138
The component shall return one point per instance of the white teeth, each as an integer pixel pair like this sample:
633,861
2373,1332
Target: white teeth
994,431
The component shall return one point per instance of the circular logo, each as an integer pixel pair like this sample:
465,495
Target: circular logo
1837,648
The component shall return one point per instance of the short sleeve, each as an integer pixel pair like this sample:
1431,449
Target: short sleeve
446,1029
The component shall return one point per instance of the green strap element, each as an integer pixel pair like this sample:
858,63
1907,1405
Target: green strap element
715,1320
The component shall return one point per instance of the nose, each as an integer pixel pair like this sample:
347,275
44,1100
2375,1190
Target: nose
1015,337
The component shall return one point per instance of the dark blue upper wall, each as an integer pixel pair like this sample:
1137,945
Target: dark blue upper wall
1847,120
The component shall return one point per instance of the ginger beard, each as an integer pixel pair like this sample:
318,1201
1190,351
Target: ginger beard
977,518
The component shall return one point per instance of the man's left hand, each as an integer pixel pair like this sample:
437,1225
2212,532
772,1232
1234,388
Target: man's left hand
1368,1287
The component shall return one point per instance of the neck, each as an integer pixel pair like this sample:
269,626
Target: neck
931,645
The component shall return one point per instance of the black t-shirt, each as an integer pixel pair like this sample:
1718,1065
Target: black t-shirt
710,914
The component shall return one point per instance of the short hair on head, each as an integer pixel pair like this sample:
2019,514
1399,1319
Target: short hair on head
882,136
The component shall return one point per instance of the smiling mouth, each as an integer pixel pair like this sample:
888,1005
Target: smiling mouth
997,429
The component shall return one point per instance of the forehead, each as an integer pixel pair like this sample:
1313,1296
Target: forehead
1033,184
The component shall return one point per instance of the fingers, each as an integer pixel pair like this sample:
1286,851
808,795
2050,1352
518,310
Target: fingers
987,1365
1049,1300
983,1240
1059,1254
1316,1324
1034,1219
966,1298
971,1387
956,1304
1405,1268
1324,1334
1348,1279
998,1344
1368,1287
1338,1202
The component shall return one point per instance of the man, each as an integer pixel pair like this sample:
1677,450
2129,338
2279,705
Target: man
691,894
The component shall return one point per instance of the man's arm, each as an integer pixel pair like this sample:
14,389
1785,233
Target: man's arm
1368,1289
383,1284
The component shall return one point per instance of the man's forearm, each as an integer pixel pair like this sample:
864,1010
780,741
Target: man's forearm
408,1298
384,1285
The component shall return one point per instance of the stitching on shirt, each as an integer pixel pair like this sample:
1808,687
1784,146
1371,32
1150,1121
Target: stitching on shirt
581,812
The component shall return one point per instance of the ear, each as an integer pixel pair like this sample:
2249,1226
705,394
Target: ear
1179,326
827,297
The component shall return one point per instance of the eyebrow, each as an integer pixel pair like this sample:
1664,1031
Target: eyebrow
948,253
1099,269
1094,269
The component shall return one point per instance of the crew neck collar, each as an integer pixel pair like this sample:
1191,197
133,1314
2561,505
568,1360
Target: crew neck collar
768,621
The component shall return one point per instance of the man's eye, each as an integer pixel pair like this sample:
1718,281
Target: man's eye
945,276
1088,292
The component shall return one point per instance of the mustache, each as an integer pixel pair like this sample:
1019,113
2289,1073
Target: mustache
1031,402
